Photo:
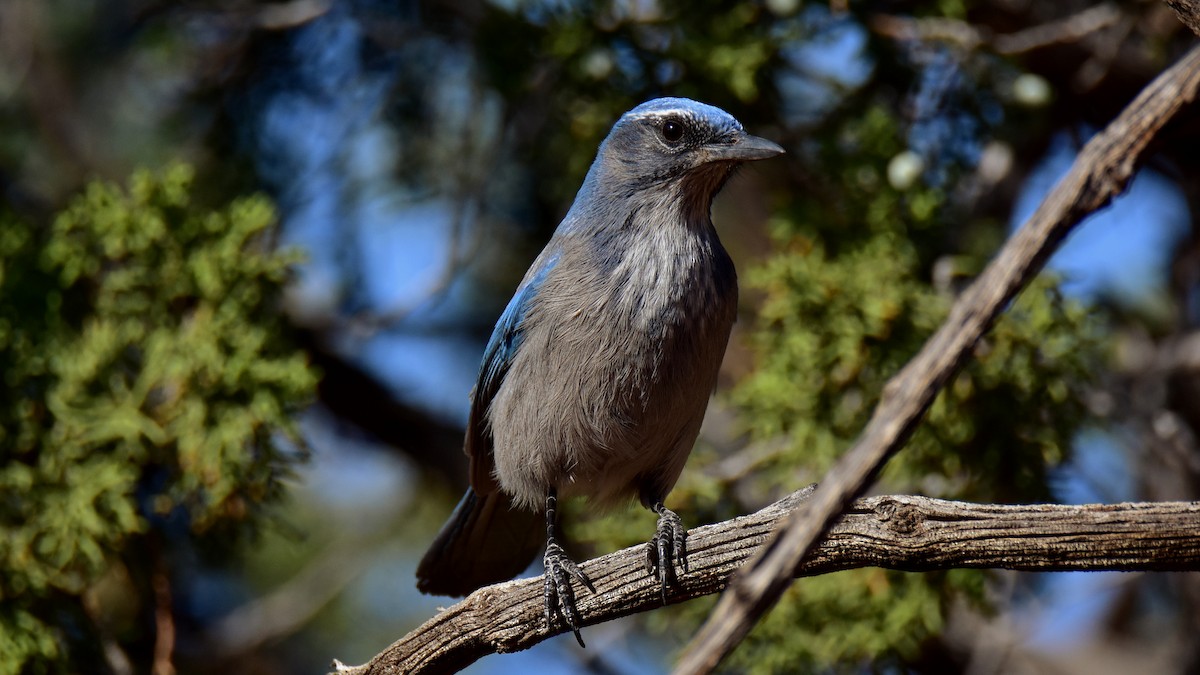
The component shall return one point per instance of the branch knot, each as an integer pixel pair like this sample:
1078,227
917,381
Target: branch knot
899,516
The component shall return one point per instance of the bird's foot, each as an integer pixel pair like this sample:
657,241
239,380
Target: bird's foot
666,547
560,598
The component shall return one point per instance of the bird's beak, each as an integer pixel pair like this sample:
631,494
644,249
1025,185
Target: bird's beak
744,148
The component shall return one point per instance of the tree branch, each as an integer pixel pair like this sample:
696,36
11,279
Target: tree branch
896,532
1188,12
1100,172
1072,28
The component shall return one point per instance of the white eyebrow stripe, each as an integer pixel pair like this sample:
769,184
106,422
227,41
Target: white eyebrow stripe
664,114
687,116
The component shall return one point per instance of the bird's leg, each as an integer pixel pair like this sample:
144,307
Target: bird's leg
668,545
560,598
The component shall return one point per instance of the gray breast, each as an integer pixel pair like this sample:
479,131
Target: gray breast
620,356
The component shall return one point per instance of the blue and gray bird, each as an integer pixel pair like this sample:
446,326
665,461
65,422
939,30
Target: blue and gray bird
596,377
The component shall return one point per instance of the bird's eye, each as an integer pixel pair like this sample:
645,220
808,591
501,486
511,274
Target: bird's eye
672,130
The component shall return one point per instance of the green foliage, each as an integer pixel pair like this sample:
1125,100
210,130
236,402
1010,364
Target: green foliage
147,377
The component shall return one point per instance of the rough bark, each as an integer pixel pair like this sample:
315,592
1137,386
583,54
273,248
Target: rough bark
1188,12
897,532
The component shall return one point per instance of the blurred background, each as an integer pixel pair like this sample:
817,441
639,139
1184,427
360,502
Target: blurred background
250,254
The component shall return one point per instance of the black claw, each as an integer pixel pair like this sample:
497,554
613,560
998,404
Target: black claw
551,595
681,549
666,571
559,596
667,547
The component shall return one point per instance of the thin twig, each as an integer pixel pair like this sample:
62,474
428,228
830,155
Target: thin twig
286,609
1072,28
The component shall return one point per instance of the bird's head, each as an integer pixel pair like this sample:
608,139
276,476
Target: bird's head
679,141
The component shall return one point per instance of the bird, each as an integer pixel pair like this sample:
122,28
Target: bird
597,375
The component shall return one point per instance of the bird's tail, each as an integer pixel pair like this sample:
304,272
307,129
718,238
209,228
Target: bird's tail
486,540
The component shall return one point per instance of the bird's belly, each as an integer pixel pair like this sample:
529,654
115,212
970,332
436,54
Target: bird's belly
603,414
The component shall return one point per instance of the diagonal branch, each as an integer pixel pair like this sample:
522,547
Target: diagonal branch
1100,172
896,532
1072,28
1188,12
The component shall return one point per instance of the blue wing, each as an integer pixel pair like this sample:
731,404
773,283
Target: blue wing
501,349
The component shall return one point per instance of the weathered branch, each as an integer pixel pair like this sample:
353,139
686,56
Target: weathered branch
1188,12
1101,171
896,532
284,610
1072,28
